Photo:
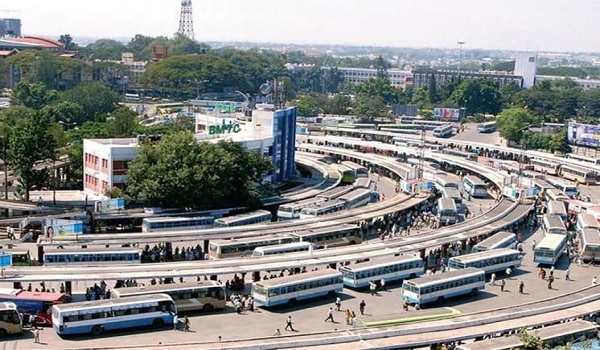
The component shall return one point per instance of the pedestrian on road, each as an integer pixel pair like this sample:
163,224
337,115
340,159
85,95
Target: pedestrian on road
533,244
330,315
361,307
382,282
338,303
348,316
521,287
288,324
508,272
373,288
552,271
542,273
594,281
277,332
567,274
36,336
493,280
175,322
550,281
502,284
186,324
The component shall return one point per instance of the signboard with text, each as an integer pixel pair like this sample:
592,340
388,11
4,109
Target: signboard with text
447,114
584,134
60,227
110,204
5,260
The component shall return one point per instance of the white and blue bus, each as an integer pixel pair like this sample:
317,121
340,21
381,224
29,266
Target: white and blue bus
550,249
475,186
341,235
441,286
589,244
253,217
292,210
176,223
486,127
568,189
585,220
319,209
335,192
91,256
357,198
282,249
490,261
542,186
443,131
391,269
444,181
98,316
447,211
467,155
502,239
558,208
584,159
289,290
359,170
363,182
229,248
553,224
555,195
454,194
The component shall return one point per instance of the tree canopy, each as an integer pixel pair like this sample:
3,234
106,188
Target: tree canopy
209,175
512,123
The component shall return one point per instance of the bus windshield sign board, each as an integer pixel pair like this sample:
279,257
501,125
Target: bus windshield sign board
5,260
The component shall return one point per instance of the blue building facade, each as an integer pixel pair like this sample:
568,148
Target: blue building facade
284,143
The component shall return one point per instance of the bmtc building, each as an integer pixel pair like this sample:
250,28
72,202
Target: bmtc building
270,132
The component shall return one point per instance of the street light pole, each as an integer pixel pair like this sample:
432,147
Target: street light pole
460,45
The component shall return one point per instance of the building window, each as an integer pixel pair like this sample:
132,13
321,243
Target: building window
531,59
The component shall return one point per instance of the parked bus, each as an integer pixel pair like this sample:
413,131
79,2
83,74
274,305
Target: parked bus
446,181
550,249
253,217
176,223
595,161
490,261
229,248
10,320
568,189
474,186
443,131
467,155
331,237
357,198
392,269
363,182
319,209
502,239
578,174
282,249
438,287
291,289
558,208
541,186
91,256
292,210
348,175
38,304
20,257
359,170
585,220
555,195
454,194
334,193
545,166
187,296
98,316
553,224
486,127
447,211
589,244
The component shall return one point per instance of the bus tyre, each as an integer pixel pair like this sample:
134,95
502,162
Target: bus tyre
413,275
97,330
440,299
3,332
158,322
292,302
474,292
208,307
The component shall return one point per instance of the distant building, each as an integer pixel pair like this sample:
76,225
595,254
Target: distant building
136,68
586,84
526,67
398,78
272,133
10,27
423,76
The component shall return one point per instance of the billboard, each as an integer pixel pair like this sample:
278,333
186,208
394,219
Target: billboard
60,227
584,134
447,114
110,204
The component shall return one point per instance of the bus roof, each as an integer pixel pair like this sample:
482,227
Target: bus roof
425,281
277,247
323,205
111,302
334,192
494,253
299,278
25,295
70,250
176,218
496,238
552,221
591,235
388,261
229,219
474,180
357,193
264,239
551,241
588,220
303,202
325,230
163,288
446,203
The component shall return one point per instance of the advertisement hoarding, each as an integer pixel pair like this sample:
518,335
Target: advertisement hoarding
109,204
584,134
60,227
447,114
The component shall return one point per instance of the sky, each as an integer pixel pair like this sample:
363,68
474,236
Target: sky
523,25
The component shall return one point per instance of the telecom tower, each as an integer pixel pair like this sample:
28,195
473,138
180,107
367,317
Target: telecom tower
186,19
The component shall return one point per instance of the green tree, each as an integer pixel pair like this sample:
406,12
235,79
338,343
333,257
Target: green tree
512,122
559,142
31,141
139,45
478,96
104,49
67,41
210,175
309,105
531,341
382,68
95,99
369,107
339,104
122,123
378,87
590,105
33,96
66,113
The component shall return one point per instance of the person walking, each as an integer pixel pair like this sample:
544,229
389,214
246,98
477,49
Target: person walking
550,281
493,280
521,287
373,288
338,303
502,284
330,315
361,307
348,316
533,244
289,324
175,322
508,272
382,283
567,274
186,324
594,281
552,271
36,336
405,305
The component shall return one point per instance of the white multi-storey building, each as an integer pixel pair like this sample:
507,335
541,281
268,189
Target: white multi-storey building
398,78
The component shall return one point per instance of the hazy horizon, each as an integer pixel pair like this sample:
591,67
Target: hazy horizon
532,25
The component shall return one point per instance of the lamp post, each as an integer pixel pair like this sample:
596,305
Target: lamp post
523,131
460,45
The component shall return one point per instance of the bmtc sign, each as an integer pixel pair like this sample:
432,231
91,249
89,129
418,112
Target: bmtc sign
224,128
